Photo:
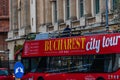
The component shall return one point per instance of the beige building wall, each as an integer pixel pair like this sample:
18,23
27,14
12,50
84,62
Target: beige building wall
48,12
102,6
23,16
41,12
87,9
19,24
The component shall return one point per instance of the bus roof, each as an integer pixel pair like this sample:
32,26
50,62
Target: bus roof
79,45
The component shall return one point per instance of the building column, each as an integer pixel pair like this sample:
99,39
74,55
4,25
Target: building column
48,12
41,13
87,7
10,11
24,17
93,7
102,6
110,5
26,12
11,48
15,14
33,15
19,14
77,8
73,9
60,15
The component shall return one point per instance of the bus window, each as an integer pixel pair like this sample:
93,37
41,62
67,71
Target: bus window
103,63
26,64
119,62
34,64
42,65
31,64
108,64
86,63
59,64
55,64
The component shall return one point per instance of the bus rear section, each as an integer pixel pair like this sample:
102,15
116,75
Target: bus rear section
93,57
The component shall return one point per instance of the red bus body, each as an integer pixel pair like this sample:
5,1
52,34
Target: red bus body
100,44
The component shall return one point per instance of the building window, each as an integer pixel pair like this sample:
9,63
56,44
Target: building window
81,8
67,9
55,11
114,4
97,6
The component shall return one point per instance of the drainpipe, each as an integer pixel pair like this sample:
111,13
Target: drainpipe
107,26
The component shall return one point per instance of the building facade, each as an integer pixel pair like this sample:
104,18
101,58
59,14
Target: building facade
4,27
33,16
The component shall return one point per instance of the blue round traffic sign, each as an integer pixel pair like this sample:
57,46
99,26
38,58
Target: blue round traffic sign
18,70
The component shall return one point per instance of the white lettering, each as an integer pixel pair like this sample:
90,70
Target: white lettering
112,41
93,45
87,46
97,46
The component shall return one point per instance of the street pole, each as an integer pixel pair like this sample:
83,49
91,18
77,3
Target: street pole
8,61
7,52
107,26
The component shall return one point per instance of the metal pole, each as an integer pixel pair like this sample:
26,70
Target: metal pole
107,26
7,52
8,61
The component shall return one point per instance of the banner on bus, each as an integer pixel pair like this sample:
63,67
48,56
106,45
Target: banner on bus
93,44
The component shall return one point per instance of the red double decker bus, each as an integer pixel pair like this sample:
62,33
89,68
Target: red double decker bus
93,57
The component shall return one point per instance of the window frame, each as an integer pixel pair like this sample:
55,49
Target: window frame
67,9
81,8
55,11
97,6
